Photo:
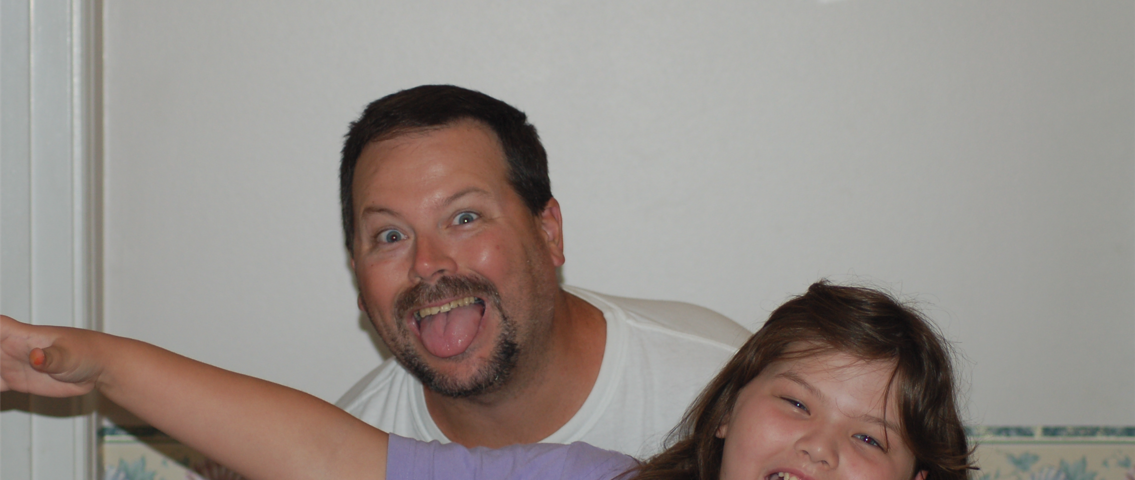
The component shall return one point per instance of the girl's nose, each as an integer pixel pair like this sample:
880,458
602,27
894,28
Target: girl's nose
820,447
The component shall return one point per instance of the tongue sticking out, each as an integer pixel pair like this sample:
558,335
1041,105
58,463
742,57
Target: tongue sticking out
448,334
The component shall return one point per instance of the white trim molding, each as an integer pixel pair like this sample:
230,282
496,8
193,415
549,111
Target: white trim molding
50,215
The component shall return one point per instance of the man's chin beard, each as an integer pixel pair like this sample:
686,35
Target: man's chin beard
488,379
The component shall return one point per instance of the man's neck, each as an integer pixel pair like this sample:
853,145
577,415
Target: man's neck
537,401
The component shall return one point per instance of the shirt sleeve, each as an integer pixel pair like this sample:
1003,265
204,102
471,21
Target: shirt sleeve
409,459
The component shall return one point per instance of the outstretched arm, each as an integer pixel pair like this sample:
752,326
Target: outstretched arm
258,428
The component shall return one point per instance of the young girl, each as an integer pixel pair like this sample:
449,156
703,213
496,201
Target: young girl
840,383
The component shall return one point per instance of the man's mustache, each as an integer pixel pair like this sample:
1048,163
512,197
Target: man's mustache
446,287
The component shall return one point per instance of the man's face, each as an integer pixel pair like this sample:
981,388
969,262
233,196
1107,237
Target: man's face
456,274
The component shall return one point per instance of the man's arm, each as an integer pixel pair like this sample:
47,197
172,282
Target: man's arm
258,428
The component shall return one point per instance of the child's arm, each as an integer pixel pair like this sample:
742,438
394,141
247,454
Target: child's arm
257,428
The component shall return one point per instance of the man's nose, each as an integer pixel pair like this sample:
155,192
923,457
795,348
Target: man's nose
821,447
431,259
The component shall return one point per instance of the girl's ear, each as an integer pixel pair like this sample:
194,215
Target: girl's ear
921,475
724,429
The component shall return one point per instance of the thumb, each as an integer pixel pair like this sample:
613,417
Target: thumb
63,365
49,360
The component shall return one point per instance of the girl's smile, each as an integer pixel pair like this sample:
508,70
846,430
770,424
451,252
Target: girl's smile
822,416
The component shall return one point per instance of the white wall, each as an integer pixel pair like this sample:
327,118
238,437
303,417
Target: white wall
979,156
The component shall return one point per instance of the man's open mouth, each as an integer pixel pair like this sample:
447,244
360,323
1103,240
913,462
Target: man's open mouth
447,330
425,312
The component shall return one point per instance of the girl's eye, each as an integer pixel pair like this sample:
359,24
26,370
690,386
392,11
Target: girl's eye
796,403
869,440
465,217
390,236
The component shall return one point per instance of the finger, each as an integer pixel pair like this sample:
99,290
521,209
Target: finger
49,360
37,358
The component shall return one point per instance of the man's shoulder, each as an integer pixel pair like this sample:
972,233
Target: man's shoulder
668,317
390,398
659,354
388,380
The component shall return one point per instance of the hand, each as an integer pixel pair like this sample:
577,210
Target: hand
48,361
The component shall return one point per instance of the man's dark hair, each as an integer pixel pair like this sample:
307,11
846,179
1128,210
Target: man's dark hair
436,106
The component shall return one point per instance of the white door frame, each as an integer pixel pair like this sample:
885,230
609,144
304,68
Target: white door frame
50,215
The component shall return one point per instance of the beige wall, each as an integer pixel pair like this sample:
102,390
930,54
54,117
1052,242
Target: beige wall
978,156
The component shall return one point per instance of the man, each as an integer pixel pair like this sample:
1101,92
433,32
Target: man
454,239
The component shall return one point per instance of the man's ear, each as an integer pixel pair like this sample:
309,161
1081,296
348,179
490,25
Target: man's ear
362,306
551,225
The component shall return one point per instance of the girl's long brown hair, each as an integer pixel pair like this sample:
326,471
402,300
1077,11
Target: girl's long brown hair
861,322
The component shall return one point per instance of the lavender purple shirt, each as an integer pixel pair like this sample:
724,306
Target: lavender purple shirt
414,460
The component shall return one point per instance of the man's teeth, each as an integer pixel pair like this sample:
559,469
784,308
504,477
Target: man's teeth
425,312
785,476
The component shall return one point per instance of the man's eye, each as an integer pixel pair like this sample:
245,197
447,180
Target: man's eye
465,217
869,440
796,403
390,236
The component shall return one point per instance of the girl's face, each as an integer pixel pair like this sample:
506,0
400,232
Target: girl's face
817,418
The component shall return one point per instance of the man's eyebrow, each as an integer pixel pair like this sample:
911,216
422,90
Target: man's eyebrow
463,193
373,210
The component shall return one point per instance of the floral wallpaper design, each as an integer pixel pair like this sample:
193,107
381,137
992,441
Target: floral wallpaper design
143,453
130,471
1054,453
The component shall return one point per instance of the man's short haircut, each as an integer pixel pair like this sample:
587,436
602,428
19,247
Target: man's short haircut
436,106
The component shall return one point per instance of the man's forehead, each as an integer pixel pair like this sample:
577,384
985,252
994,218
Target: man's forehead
451,158
459,140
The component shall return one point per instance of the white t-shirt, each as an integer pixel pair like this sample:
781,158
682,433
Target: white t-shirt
658,357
